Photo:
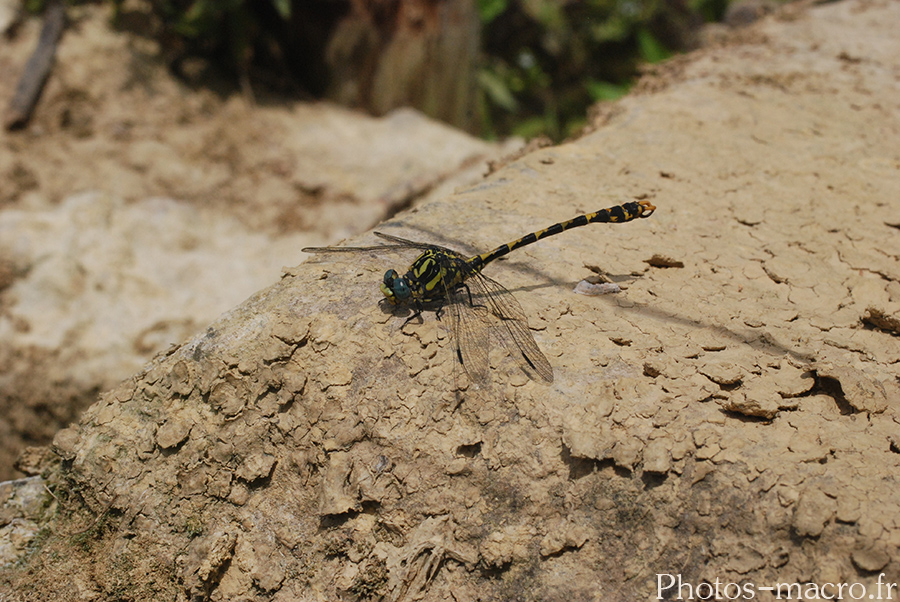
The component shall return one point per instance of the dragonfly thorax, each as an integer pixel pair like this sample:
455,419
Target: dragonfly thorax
428,278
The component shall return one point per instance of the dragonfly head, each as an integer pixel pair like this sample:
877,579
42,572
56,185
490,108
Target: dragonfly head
395,287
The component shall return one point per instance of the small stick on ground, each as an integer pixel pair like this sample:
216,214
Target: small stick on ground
37,69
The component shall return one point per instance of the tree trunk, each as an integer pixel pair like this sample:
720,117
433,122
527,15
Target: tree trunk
419,53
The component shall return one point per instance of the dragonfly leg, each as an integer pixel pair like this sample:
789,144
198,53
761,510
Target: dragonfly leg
469,293
417,313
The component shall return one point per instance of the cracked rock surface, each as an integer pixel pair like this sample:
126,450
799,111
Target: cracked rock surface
732,414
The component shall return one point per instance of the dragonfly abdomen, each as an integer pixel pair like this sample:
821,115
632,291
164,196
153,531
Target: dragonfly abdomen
617,214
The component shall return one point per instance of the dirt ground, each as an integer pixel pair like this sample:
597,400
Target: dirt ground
729,421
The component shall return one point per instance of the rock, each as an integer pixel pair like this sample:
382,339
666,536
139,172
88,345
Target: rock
257,466
861,391
173,432
871,559
23,503
814,509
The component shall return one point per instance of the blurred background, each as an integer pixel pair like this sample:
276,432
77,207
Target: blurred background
494,68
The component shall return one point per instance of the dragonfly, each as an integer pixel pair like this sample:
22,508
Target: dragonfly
481,310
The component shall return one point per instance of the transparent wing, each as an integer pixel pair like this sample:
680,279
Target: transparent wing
470,325
399,245
405,242
351,249
510,326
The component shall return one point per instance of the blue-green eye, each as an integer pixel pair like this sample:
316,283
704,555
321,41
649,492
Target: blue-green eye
389,278
394,287
401,288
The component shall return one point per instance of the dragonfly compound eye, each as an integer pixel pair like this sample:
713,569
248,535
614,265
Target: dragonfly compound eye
389,278
395,288
401,289
387,285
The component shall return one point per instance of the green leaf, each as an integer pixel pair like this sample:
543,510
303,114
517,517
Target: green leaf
549,14
605,90
496,90
489,10
533,127
652,51
34,6
283,7
614,29
711,10
194,20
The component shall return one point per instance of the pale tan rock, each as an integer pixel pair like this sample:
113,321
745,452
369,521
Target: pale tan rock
563,536
657,455
863,392
814,509
763,402
339,495
173,432
871,559
256,466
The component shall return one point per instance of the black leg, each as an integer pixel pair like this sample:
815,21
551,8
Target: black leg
417,313
469,293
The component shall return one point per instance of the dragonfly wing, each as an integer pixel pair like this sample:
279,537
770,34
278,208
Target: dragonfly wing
405,242
511,326
399,245
471,333
353,249
468,324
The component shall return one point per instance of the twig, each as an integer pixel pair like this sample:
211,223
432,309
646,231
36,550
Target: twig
37,69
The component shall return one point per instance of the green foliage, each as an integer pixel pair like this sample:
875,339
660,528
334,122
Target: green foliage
605,90
710,10
489,10
544,61
220,28
194,526
497,90
204,17
283,7
548,60
651,50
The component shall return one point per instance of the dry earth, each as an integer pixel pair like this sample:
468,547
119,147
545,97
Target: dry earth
730,417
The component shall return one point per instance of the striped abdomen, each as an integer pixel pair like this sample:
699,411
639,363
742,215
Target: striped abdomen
617,214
